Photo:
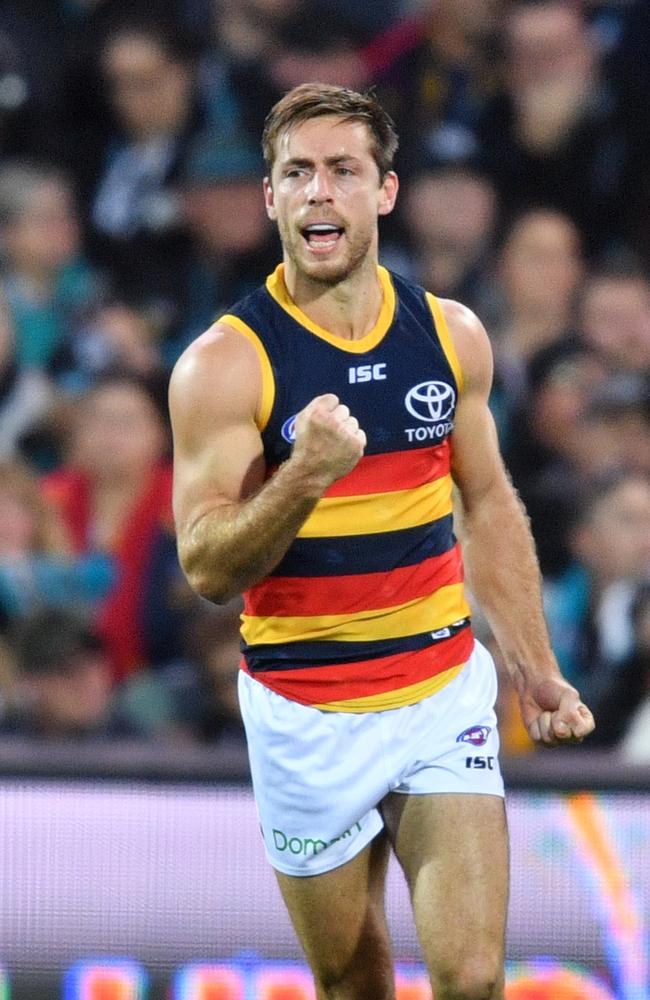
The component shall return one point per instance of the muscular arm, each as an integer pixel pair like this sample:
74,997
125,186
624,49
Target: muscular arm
234,525
499,550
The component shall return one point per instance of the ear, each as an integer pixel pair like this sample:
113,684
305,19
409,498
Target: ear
268,199
388,193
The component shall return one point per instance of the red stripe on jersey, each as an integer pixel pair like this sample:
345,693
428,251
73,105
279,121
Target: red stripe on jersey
340,595
343,681
396,470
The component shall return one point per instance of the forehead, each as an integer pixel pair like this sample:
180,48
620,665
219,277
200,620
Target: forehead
323,138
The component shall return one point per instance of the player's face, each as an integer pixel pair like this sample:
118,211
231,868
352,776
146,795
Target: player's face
325,193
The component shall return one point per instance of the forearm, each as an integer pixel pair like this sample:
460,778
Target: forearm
232,546
504,576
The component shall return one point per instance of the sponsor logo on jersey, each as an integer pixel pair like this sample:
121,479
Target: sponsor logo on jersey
289,429
476,735
433,403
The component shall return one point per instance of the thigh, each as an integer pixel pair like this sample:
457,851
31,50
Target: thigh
340,921
453,849
318,778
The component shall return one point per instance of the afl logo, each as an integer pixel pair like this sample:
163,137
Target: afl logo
289,429
476,735
430,401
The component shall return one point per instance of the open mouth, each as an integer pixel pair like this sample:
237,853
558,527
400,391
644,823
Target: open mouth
322,236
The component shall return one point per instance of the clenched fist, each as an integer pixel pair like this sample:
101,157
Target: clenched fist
329,441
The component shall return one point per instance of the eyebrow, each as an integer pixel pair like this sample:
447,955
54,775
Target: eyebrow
331,161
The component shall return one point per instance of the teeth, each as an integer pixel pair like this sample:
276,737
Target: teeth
321,228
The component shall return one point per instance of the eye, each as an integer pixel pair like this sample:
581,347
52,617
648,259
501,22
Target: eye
344,171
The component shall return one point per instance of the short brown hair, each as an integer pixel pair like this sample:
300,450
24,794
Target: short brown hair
314,100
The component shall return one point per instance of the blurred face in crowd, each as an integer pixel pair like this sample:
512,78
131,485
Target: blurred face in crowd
45,236
76,697
325,175
546,42
615,318
228,216
119,433
150,92
614,440
476,18
559,402
27,524
541,264
614,543
453,211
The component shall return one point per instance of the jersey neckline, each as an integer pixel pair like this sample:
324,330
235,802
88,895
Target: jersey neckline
277,289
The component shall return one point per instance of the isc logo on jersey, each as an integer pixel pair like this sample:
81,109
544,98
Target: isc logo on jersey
432,403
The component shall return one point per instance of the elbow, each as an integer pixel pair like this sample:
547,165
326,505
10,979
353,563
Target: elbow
206,580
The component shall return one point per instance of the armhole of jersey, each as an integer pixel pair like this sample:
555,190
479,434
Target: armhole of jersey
445,339
268,380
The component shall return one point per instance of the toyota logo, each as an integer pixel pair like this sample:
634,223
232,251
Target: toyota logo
430,401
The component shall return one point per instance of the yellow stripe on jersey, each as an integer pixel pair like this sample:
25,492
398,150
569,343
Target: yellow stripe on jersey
373,513
444,337
424,614
268,381
408,695
277,288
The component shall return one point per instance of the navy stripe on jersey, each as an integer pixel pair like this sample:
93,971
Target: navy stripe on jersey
355,554
298,655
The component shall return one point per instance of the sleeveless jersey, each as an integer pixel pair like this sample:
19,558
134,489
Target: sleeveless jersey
366,611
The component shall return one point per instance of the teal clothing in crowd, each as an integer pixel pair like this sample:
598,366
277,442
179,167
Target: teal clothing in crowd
77,583
40,327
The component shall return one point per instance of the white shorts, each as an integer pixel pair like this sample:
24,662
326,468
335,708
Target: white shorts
319,777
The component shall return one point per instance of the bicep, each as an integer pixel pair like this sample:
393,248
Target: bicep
218,451
477,465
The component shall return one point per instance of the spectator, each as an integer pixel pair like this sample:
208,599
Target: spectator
615,431
626,709
37,566
450,216
234,246
614,317
114,337
556,134
216,644
26,394
114,494
47,285
545,452
150,76
538,273
624,713
438,87
64,682
589,605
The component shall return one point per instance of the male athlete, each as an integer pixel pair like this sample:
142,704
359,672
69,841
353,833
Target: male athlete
318,428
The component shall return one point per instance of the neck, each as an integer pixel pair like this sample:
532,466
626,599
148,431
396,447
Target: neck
349,309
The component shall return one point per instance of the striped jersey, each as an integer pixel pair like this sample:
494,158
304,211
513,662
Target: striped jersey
366,611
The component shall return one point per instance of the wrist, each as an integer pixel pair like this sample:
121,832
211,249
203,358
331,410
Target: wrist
306,481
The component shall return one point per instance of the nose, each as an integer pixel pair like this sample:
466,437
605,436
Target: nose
319,187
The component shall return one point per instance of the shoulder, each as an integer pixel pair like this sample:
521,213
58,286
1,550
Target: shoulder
471,344
212,367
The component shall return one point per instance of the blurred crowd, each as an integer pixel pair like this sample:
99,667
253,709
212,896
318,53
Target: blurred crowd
131,216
